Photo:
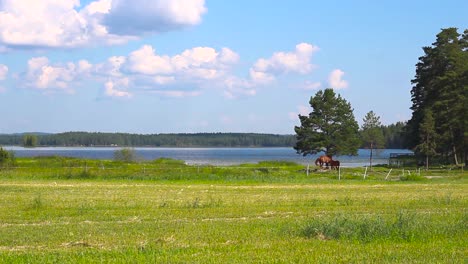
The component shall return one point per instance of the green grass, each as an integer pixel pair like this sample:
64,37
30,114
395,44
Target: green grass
169,212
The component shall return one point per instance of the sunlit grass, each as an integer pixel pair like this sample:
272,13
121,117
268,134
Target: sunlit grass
165,211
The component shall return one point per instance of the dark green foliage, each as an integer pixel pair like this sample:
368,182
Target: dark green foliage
441,86
158,140
427,147
371,133
330,127
29,141
394,135
7,158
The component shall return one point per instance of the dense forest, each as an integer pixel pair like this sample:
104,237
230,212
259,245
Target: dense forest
392,134
438,126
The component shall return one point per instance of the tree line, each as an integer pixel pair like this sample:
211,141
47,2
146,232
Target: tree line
153,140
392,139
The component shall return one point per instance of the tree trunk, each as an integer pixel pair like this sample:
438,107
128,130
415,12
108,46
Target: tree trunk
454,149
427,162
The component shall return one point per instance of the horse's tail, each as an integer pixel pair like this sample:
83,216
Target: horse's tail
317,162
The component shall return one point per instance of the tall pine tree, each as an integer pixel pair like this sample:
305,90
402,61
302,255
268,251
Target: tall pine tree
330,127
427,135
371,134
441,86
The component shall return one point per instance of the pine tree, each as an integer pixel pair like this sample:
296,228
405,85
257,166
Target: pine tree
441,86
330,127
372,134
427,147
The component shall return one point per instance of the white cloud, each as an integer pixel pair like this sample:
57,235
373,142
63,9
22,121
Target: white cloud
44,76
298,61
145,61
178,94
335,79
3,72
111,67
138,17
196,66
61,24
186,74
111,91
45,23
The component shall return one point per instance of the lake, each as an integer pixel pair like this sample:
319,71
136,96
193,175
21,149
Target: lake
203,156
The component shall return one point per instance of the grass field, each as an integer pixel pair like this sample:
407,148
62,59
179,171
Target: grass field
281,216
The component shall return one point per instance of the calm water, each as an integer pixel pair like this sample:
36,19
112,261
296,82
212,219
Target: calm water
214,156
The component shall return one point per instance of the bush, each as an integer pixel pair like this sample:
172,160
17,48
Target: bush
125,155
7,158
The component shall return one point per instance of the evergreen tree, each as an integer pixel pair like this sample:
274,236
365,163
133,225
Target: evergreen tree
330,127
371,134
441,86
29,141
427,147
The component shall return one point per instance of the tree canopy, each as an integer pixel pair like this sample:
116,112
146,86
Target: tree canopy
441,87
330,127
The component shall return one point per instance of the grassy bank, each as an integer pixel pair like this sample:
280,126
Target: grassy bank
288,217
64,168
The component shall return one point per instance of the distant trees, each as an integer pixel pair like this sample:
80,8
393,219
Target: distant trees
371,133
394,135
440,87
330,127
158,140
29,141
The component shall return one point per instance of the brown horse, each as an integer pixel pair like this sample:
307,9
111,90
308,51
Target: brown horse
323,160
335,164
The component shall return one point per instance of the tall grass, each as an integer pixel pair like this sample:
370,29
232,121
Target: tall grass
403,226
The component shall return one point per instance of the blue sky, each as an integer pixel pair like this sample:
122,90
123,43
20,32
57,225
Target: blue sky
186,66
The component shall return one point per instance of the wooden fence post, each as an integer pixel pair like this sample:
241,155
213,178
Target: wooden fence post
388,174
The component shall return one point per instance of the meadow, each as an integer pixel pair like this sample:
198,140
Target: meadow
63,210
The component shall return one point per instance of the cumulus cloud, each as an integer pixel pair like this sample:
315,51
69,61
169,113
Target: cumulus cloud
3,72
43,75
335,79
185,74
61,24
182,75
298,61
196,64
138,17
111,88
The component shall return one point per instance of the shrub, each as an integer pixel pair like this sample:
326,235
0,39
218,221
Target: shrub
125,155
7,158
